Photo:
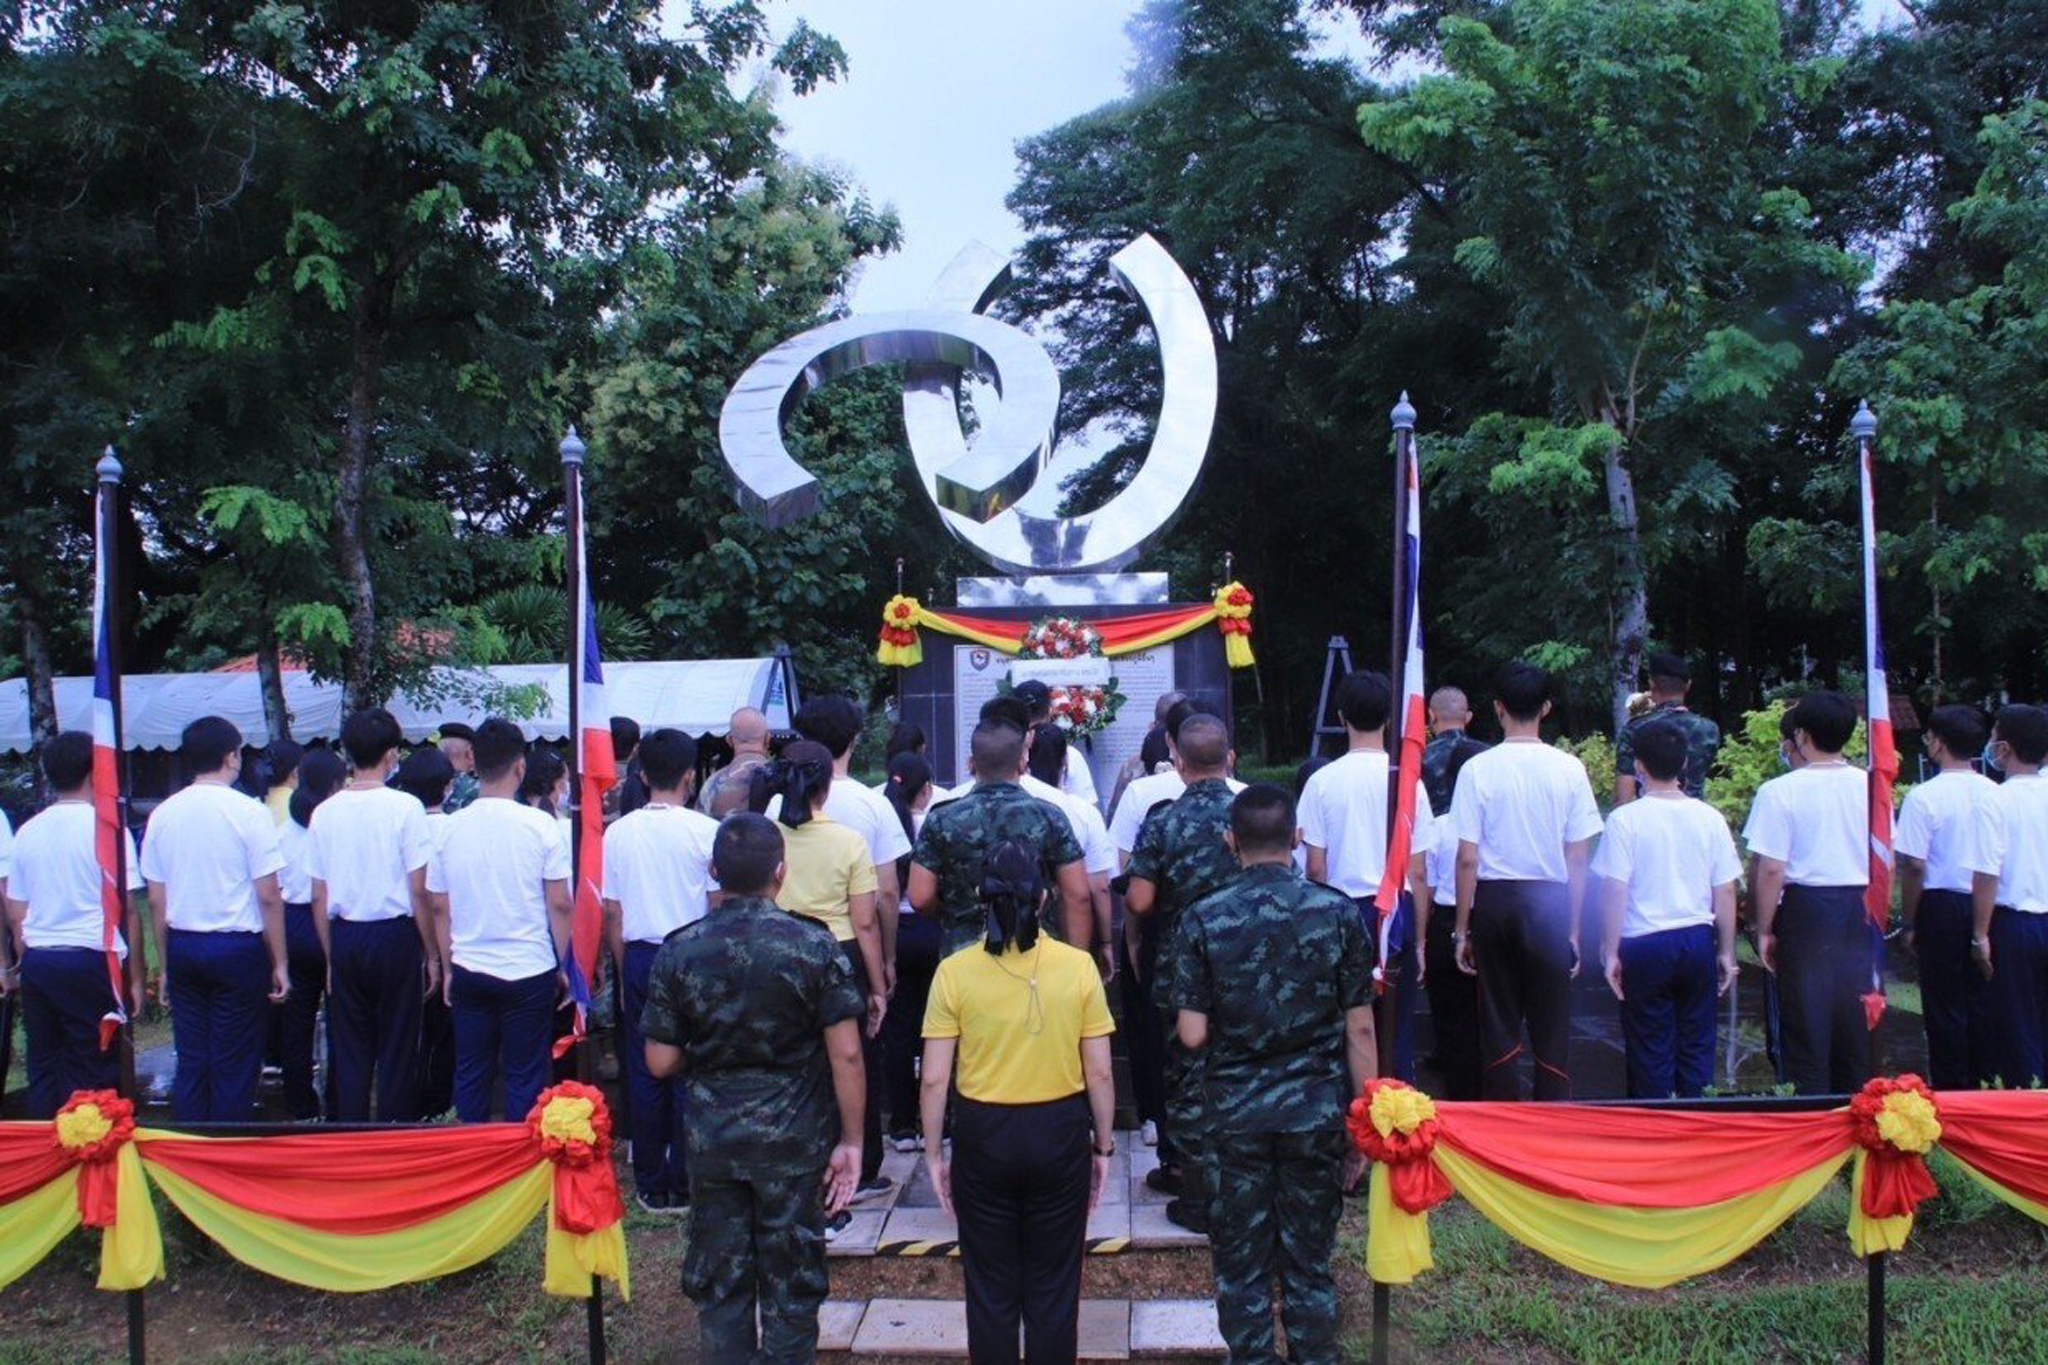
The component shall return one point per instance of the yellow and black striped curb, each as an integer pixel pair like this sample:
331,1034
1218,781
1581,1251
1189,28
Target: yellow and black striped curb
1094,1246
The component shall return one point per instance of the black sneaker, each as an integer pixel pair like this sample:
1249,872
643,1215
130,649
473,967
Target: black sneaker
873,1189
837,1224
1164,1179
661,1205
1181,1215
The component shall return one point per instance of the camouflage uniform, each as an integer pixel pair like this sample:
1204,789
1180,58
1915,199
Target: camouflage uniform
747,993
461,792
1447,749
741,771
1274,961
1181,852
958,834
1702,742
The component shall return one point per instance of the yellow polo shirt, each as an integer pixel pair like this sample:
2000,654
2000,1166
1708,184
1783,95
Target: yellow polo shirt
824,866
1013,1051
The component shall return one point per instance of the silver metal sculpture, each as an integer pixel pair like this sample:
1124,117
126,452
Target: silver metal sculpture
987,492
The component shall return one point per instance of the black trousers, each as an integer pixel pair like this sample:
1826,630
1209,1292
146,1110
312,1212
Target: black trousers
299,1015
1825,956
373,1018
1955,999
1020,1186
871,1063
1453,1008
917,959
1521,941
1140,1025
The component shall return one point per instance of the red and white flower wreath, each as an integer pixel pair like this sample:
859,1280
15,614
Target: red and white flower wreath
1077,709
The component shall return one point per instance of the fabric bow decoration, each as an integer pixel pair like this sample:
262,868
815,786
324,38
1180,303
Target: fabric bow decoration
92,1128
1234,618
572,1127
1895,1123
900,646
1394,1126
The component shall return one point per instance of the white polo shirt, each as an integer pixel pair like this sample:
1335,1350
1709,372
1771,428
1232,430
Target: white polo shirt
1671,852
207,846
657,866
1078,780
1521,802
56,872
493,863
1140,797
1937,822
294,879
2011,842
365,846
1815,820
1343,811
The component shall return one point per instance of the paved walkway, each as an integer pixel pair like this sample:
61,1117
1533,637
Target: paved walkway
1111,1329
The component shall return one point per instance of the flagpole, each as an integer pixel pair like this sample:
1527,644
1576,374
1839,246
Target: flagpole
1403,418
572,449
107,509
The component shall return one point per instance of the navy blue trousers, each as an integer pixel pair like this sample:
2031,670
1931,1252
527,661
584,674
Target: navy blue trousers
373,1018
64,994
1667,1012
2019,995
1399,975
1955,999
220,988
299,1015
654,1112
503,1030
1825,958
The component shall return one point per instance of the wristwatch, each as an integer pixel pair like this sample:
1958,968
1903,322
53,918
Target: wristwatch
1984,943
1110,1152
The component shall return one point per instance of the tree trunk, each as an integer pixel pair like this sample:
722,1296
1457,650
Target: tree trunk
1631,593
351,539
270,679
42,687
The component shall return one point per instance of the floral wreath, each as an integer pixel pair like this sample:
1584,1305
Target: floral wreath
1077,709
93,1125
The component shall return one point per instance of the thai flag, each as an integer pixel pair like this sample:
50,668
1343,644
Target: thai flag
110,848
1395,914
597,770
1884,754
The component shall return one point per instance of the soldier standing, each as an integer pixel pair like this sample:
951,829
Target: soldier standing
1181,857
1272,977
758,1012
1670,680
1449,746
945,868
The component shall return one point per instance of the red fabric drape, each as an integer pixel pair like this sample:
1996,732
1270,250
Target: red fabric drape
352,1182
2000,1132
1641,1158
1113,631
29,1159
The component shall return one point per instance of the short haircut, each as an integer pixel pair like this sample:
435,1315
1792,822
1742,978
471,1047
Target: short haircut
1788,720
67,760
996,750
666,758
1262,819
1204,743
625,737
455,729
2025,728
499,744
745,853
1961,729
283,757
1048,753
1182,712
368,735
1661,748
833,720
206,744
1035,695
905,737
1450,701
1522,689
1310,766
1152,750
1363,699
1664,666
426,774
1008,711
1828,718
1167,701
544,768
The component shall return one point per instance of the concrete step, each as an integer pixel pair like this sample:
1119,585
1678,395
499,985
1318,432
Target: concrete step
1111,1329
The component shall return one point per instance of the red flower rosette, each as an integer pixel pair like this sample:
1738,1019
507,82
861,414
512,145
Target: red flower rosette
1896,1122
1393,1123
91,1129
572,1127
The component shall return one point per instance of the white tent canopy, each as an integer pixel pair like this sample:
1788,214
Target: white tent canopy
695,695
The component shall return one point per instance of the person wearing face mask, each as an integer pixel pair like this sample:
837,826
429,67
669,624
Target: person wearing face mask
2008,860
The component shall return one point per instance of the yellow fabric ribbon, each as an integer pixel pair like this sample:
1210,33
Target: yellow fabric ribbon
1867,1234
1396,1242
31,1226
574,1258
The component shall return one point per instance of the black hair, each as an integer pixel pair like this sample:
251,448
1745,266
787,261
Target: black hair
1262,819
67,759
321,773
498,744
1048,753
281,760
1788,720
625,737
909,775
1363,700
544,768
1960,728
1522,688
455,729
205,745
1008,711
1181,712
1204,742
1012,888
1310,766
1828,718
745,853
905,737
666,758
2025,728
368,735
1153,751
1668,667
1036,695
833,720
799,777
996,750
425,774
1661,748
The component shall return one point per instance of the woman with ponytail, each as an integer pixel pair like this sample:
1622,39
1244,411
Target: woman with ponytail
1023,1021
320,775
